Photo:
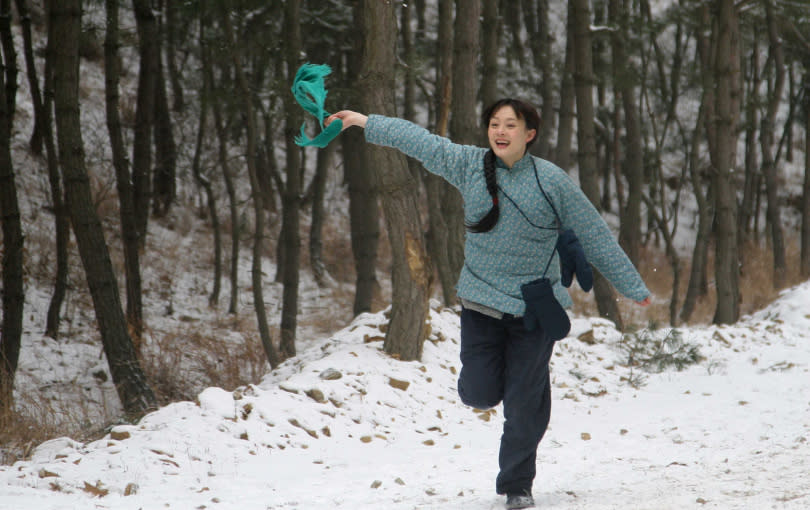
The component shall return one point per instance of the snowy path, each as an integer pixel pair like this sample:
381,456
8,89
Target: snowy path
731,432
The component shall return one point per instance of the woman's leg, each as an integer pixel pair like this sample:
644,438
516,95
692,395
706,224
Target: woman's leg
526,404
481,381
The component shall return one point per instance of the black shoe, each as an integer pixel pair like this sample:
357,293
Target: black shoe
522,500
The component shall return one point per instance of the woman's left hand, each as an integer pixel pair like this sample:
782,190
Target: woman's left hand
645,302
349,119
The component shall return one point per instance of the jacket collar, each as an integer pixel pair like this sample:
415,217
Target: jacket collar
521,164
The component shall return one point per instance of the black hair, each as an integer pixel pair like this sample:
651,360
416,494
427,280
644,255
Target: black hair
529,115
524,111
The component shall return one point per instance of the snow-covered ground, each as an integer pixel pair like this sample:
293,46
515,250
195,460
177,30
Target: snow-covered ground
342,425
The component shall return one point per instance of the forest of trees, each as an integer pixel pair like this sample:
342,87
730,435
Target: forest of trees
656,106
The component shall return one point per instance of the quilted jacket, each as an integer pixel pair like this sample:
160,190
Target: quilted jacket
521,245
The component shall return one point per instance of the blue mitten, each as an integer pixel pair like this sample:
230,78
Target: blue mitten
572,260
543,310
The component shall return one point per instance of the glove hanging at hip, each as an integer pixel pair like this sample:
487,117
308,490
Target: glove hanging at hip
543,310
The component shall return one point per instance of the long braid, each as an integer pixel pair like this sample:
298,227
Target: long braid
487,223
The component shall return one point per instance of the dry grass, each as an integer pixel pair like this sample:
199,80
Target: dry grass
756,285
36,420
182,362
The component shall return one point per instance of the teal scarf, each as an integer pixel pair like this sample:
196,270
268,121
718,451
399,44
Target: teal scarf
310,93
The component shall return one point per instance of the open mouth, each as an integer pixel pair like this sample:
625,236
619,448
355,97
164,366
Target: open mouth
501,144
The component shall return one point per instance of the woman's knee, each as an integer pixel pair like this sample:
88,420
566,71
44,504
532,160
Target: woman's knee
478,398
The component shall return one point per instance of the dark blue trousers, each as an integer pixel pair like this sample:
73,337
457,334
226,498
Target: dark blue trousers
502,361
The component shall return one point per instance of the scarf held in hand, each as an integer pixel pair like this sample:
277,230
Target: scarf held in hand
308,89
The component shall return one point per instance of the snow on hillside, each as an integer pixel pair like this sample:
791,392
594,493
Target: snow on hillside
345,426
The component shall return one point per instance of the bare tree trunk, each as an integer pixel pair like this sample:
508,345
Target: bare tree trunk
727,97
364,209
630,226
464,123
804,264
12,246
61,216
766,139
144,115
258,210
586,142
230,188
364,216
565,129
541,42
171,9
316,223
203,180
37,134
437,188
291,194
674,260
490,39
408,56
130,382
123,179
697,276
411,273
752,181
513,31
165,171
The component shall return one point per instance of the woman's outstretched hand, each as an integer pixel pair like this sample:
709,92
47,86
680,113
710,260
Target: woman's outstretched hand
645,302
348,117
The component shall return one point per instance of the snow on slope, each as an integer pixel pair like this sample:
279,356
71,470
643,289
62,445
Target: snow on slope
345,426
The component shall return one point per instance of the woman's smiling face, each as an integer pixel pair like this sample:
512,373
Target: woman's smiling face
508,135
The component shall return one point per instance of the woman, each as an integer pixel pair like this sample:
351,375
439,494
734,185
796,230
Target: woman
514,206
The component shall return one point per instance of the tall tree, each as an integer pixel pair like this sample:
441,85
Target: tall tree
218,93
586,140
490,37
565,128
165,171
804,264
61,216
174,36
123,178
364,208
12,266
364,219
698,279
727,105
411,272
149,53
258,208
464,123
766,137
128,378
541,42
752,182
318,190
37,135
202,178
624,85
409,57
436,188
698,285
291,193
